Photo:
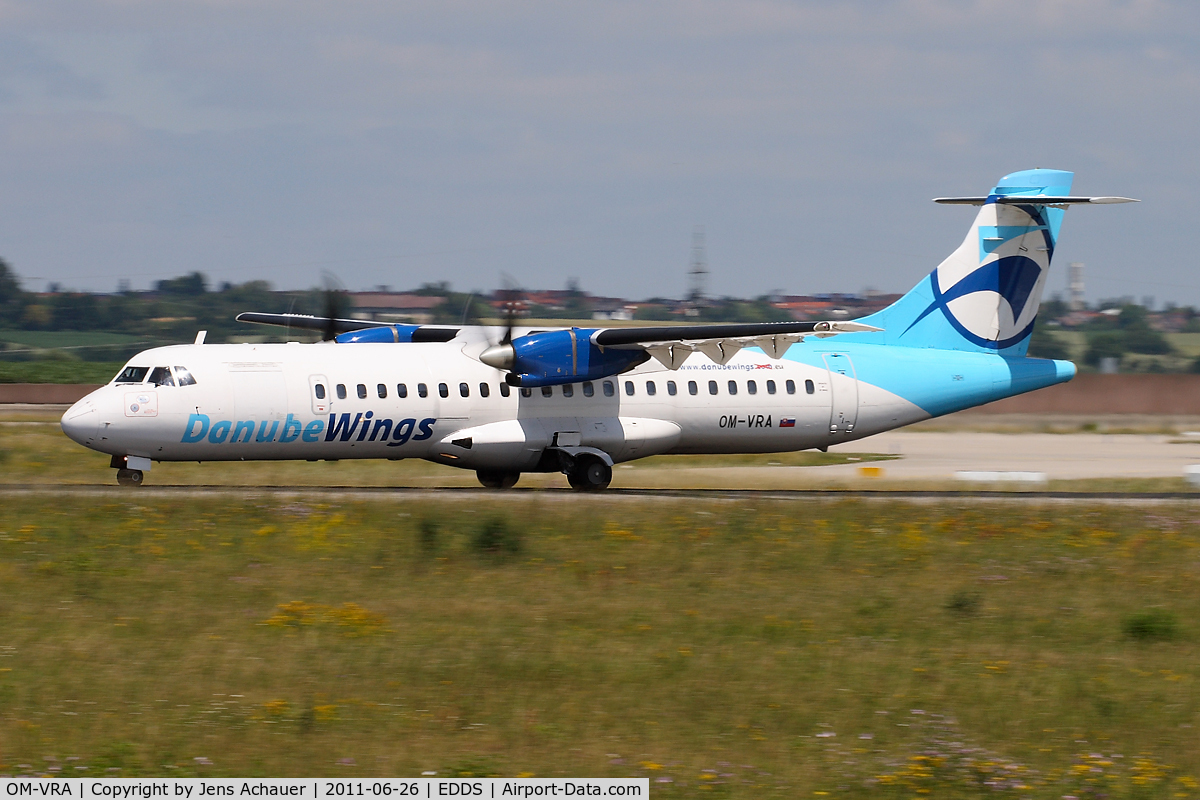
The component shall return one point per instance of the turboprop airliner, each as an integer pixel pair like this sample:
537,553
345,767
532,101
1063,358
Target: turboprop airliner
579,400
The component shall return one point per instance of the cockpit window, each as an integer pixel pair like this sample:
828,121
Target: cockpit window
133,375
184,377
161,376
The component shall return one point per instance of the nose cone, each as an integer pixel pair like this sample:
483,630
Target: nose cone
81,420
499,356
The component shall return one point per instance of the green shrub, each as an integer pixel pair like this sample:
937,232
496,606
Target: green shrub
496,537
427,536
963,602
1153,625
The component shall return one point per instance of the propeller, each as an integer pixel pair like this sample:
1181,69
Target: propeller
501,354
333,298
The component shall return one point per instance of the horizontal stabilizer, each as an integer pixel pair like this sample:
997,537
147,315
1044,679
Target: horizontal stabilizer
1037,200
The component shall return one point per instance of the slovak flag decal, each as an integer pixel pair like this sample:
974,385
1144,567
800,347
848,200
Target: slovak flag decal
787,422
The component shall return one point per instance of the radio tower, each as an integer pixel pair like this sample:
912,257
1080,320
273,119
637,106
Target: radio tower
698,271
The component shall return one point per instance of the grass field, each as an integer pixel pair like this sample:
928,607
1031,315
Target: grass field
719,648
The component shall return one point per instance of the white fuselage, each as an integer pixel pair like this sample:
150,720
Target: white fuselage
284,401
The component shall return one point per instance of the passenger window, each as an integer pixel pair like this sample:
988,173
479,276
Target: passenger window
381,390
133,375
319,389
629,388
809,388
341,391
712,387
770,387
568,390
651,389
161,376
547,391
464,390
609,390
693,388
671,388
733,387
751,387
362,391
588,389
484,390
183,377
505,390
791,387
422,390
526,391
402,390
443,390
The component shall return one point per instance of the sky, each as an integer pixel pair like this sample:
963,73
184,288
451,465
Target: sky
395,143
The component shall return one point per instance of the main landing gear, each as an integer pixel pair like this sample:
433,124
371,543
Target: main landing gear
589,475
497,478
129,477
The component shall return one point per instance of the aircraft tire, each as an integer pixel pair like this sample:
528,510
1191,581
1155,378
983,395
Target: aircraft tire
590,475
129,477
497,479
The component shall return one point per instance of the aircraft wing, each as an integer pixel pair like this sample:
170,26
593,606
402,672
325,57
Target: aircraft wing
307,322
671,345
419,333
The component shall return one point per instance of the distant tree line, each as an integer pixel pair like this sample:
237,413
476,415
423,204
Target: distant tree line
1117,336
178,307
173,311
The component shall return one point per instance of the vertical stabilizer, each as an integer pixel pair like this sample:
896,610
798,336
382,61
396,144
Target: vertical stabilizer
984,297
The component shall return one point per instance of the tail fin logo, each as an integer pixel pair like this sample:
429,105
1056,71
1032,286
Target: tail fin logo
990,288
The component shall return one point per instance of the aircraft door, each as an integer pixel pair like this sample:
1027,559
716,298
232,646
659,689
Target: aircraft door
318,393
843,388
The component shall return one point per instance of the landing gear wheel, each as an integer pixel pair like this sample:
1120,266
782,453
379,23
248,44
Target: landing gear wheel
129,477
590,475
497,479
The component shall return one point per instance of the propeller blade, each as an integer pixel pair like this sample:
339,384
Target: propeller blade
510,294
334,297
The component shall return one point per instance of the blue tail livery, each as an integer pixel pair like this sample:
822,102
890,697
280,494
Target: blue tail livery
984,297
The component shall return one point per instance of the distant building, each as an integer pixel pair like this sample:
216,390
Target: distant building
393,307
837,306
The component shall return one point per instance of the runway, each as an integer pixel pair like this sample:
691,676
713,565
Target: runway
925,464
1075,456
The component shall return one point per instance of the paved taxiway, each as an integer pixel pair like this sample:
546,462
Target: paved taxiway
1075,456
927,458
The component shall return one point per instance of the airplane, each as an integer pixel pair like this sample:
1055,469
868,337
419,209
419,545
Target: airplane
507,400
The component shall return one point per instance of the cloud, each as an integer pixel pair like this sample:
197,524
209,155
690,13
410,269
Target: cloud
212,134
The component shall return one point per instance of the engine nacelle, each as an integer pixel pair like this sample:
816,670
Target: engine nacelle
550,358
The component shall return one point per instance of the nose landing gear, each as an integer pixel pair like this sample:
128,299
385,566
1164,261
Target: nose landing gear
129,477
129,469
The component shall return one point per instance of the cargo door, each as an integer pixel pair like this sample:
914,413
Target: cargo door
843,388
259,390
